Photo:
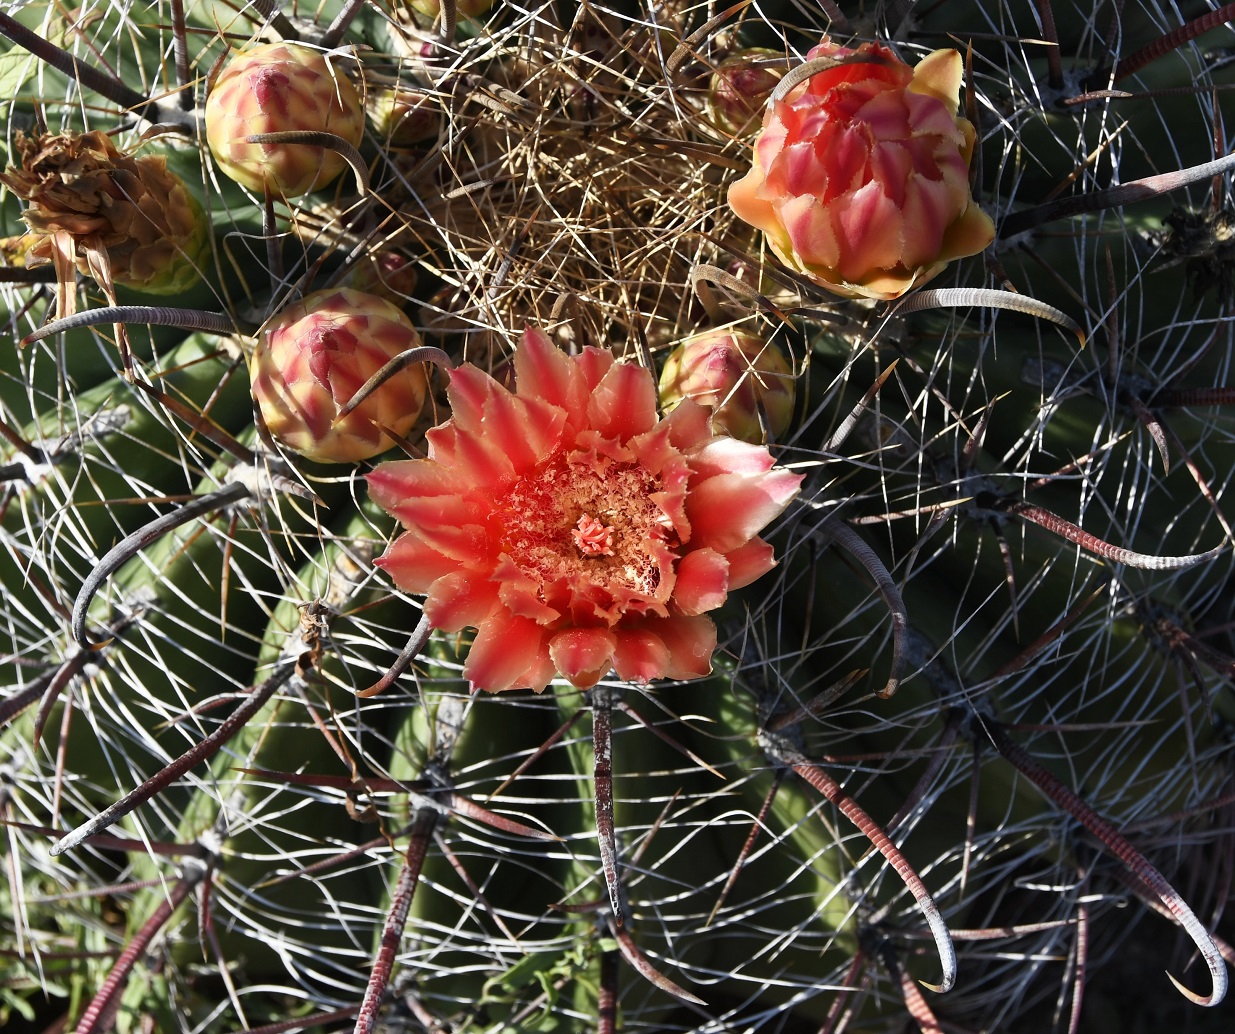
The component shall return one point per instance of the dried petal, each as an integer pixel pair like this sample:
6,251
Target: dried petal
129,220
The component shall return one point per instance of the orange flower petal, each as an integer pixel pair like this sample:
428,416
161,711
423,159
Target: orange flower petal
506,649
583,655
691,642
702,582
939,75
641,655
413,565
749,562
728,510
457,600
391,483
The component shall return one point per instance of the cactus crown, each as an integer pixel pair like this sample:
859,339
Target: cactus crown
974,687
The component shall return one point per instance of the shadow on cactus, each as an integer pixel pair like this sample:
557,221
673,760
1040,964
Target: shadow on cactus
285,484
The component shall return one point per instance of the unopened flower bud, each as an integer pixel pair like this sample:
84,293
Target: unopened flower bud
276,88
315,355
860,178
386,274
740,87
402,117
735,374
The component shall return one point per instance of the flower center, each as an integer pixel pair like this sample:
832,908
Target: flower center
586,527
592,537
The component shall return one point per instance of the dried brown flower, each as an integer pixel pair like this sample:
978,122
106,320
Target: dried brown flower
118,218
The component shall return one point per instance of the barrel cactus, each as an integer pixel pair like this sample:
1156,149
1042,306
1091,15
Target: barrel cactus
904,698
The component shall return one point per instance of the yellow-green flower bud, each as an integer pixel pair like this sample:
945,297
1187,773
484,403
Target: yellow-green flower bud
276,88
315,355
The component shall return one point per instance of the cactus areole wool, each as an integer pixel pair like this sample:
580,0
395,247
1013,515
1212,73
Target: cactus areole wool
573,528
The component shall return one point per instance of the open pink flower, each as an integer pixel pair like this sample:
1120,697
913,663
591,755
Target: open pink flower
575,530
861,174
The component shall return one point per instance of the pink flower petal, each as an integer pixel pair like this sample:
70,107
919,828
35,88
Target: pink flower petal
482,461
808,225
391,483
641,655
702,582
469,392
689,425
540,673
583,655
457,600
691,642
723,455
413,565
505,650
872,232
749,562
429,511
522,598
543,371
526,429
728,510
592,364
624,402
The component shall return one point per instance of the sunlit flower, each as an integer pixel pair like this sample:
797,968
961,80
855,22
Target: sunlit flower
861,174
315,355
575,530
736,374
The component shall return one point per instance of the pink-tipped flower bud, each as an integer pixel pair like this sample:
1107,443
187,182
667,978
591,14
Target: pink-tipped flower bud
740,87
734,374
386,274
277,88
861,173
402,117
315,355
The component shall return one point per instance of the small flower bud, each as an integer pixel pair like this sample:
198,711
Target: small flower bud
740,87
276,88
402,117
735,374
315,355
386,274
